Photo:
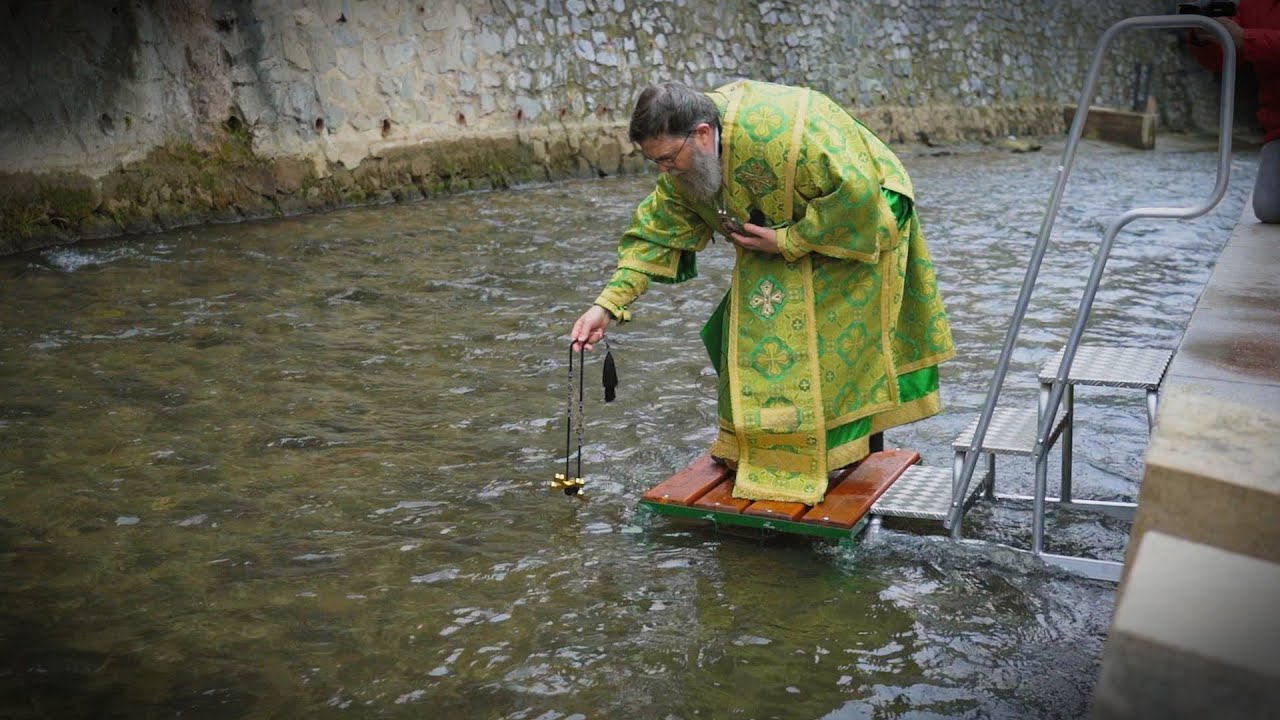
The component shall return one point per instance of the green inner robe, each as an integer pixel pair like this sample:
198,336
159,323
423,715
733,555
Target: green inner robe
838,336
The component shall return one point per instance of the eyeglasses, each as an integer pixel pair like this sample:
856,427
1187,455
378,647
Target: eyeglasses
670,158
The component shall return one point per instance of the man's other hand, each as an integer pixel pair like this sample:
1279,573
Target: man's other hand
758,238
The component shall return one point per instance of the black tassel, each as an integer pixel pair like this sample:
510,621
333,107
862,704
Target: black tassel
610,377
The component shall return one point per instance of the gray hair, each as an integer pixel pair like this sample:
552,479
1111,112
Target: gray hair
670,108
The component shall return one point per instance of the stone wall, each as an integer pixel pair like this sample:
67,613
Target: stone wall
138,115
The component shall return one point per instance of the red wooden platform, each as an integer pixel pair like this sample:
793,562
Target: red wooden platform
704,490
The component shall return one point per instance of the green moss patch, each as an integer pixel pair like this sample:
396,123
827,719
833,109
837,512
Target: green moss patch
182,184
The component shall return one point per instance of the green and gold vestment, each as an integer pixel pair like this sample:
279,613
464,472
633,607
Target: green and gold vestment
836,338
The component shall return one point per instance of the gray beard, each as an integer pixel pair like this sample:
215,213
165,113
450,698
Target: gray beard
702,180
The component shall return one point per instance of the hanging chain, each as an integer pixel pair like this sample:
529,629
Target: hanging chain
568,414
582,376
563,481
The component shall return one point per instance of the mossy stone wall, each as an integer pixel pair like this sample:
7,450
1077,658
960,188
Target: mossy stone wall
132,117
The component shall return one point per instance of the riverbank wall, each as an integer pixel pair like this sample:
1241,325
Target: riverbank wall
141,115
1195,628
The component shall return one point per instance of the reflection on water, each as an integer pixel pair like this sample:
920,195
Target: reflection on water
297,467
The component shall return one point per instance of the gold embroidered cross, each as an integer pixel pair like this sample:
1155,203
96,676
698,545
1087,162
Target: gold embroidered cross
766,297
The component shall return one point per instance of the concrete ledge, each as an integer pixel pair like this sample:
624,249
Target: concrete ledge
1196,631
1213,466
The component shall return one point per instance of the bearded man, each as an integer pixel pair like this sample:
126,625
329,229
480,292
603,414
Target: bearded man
832,329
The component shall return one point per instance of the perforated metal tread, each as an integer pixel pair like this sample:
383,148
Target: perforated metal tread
921,492
1111,366
1011,432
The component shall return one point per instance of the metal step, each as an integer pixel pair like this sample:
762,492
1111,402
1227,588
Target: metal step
921,492
1011,432
1111,366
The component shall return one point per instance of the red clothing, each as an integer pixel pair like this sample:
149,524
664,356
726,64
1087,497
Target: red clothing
1260,20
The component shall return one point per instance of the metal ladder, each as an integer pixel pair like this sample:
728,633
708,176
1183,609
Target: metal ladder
935,493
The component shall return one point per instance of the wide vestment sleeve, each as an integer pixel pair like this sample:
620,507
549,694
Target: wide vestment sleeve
659,244
839,175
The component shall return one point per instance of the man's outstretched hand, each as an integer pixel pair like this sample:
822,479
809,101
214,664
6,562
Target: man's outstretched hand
589,329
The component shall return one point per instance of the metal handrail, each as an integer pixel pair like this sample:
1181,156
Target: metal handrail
960,487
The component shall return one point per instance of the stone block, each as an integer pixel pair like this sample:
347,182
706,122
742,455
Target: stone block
1244,278
1195,635
1212,476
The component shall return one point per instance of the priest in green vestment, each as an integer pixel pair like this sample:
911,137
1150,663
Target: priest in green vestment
832,328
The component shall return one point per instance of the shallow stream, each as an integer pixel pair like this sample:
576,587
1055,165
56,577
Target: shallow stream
296,468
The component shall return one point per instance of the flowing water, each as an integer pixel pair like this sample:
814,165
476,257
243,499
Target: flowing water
298,467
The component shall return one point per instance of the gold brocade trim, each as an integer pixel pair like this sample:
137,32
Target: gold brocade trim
793,157
783,460
815,367
860,447
836,252
739,451
787,246
726,446
848,453
929,361
795,439
917,409
860,413
777,418
888,269
619,313
735,374
616,299
726,137
756,491
898,236
887,410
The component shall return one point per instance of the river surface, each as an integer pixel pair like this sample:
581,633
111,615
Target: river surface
297,468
